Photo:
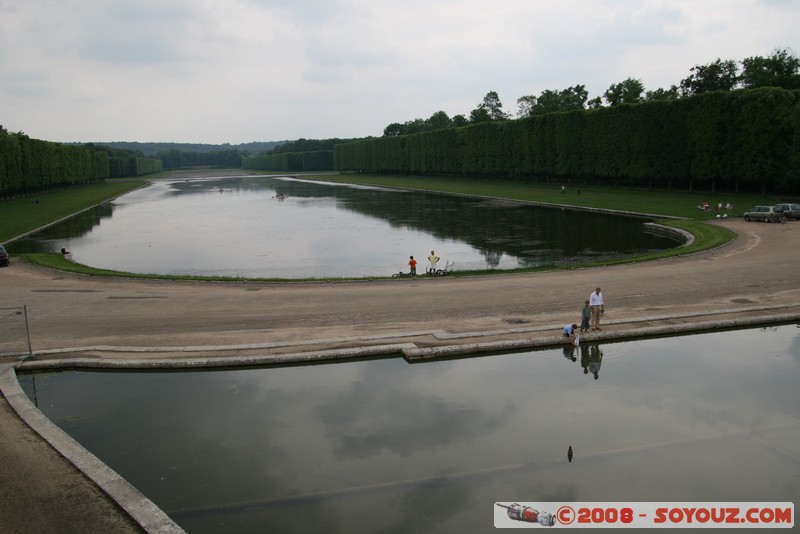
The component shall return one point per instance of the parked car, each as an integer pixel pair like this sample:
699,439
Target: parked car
763,213
790,211
3,256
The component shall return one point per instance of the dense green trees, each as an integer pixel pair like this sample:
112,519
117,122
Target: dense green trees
306,145
781,69
176,159
300,155
705,132
317,160
746,138
437,121
716,76
553,101
28,165
662,94
123,163
629,91
491,109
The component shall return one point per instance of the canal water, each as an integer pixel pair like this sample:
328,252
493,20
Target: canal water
387,446
267,227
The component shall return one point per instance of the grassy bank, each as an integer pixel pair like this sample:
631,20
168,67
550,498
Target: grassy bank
679,210
22,215
661,203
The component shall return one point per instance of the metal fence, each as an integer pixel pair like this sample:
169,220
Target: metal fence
15,339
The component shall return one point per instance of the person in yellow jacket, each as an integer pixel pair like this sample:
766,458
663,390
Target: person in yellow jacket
433,259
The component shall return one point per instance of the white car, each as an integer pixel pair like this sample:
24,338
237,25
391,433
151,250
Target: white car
763,213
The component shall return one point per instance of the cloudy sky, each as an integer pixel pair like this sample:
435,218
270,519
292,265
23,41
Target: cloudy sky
235,71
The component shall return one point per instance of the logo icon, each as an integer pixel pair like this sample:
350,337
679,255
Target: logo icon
527,514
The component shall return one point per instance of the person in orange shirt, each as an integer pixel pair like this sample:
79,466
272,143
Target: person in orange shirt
412,264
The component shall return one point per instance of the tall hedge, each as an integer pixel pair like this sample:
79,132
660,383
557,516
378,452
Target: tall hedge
740,138
31,164
315,160
124,167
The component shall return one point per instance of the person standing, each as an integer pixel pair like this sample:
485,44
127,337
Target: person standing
433,259
412,265
586,316
597,304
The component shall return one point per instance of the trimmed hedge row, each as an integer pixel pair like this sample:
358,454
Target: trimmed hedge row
317,160
748,138
28,165
176,159
133,166
31,164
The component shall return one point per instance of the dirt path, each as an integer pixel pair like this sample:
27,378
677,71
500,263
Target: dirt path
758,269
72,315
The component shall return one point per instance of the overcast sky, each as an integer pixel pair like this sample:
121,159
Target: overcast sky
236,71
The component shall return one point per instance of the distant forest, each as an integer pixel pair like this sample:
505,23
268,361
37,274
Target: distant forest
151,149
297,156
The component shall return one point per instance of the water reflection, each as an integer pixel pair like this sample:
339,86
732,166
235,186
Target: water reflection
591,359
288,228
435,445
591,356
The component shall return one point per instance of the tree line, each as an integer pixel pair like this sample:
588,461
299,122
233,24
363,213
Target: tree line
748,139
318,160
176,159
719,125
781,69
150,149
29,165
299,155
124,163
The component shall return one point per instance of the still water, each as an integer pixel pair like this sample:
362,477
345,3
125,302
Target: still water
384,446
266,227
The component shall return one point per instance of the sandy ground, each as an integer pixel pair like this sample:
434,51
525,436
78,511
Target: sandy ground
74,316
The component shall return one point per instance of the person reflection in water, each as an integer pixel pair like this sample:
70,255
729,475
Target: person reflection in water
595,359
585,358
569,353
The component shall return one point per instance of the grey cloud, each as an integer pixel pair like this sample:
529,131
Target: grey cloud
141,32
305,11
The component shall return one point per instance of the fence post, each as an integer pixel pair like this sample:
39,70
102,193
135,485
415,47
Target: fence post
15,337
27,332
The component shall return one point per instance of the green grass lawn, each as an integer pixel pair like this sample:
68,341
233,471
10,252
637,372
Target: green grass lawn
661,203
678,209
23,215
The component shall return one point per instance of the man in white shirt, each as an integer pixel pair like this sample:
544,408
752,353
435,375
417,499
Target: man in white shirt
598,307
